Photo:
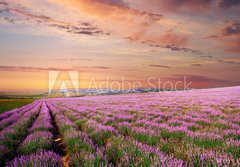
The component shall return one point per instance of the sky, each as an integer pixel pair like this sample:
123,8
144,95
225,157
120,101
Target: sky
137,40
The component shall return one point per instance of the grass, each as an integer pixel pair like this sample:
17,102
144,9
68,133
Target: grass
125,131
202,123
114,153
235,151
174,124
81,159
221,126
193,128
177,135
101,138
81,123
118,148
75,144
110,122
166,148
9,104
207,143
146,139
36,145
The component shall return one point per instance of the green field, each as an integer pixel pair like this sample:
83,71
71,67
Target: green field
8,104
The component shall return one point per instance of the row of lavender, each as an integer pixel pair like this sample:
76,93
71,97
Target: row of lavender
12,116
81,150
197,128
15,129
28,141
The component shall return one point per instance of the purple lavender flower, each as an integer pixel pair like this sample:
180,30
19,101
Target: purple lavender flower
41,159
35,142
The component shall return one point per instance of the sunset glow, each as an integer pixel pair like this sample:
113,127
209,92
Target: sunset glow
199,39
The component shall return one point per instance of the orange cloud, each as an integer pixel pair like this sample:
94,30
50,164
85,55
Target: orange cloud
133,23
163,38
174,39
128,23
75,28
108,9
112,17
120,19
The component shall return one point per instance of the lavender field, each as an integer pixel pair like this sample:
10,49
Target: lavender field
169,129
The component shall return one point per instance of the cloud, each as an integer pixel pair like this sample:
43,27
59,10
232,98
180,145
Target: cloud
45,69
228,3
128,23
70,59
32,16
199,78
176,6
196,65
108,9
160,66
12,21
131,69
111,17
119,3
101,67
202,81
31,69
184,4
116,16
167,40
177,48
228,36
84,28
170,38
232,28
4,3
232,62
209,57
173,5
